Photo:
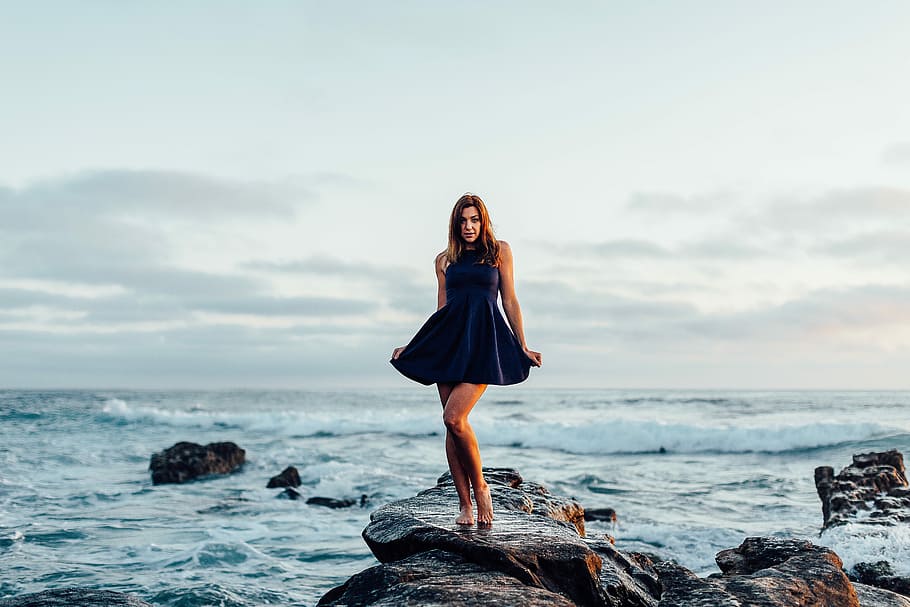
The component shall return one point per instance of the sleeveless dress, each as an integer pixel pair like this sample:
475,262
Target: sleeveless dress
467,340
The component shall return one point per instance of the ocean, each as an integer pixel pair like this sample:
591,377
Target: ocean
689,473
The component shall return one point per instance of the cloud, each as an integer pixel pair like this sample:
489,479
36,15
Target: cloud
835,207
663,203
126,194
896,154
891,247
394,285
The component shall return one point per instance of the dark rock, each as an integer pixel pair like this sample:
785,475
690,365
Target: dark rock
536,539
289,477
290,493
866,480
881,575
876,485
876,597
600,514
436,577
331,502
66,597
186,461
763,572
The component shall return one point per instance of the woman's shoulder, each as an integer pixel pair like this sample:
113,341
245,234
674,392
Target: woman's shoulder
441,261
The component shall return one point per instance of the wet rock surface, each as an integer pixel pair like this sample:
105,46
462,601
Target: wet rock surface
872,490
289,477
763,571
67,597
188,461
536,554
535,546
437,577
874,484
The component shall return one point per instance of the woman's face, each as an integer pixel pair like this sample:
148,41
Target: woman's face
470,225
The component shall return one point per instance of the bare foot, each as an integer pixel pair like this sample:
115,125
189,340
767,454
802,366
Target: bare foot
466,517
484,506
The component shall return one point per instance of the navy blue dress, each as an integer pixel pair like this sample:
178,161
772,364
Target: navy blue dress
467,340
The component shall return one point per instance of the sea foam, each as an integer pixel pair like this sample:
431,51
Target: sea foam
601,436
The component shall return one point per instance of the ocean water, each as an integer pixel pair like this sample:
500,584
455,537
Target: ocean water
688,472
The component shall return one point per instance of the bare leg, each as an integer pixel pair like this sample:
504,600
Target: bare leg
459,476
461,401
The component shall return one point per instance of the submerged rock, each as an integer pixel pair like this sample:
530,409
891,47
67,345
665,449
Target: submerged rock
289,477
331,502
186,461
66,597
600,514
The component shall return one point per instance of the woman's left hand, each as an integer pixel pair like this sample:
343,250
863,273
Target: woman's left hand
534,356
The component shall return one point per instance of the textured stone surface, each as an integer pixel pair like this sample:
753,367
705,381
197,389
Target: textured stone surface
438,578
872,490
874,482
763,572
187,461
870,596
68,597
535,543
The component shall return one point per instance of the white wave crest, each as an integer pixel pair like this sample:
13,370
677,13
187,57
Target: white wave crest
607,435
858,543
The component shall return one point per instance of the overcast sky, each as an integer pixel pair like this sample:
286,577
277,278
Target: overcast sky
241,194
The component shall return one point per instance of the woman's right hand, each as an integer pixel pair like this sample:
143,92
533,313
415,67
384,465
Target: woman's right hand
396,352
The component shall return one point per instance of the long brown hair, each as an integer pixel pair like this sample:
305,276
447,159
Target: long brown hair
487,245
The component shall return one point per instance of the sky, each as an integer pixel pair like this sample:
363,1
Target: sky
216,194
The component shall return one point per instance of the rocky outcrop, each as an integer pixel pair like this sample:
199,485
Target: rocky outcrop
766,571
289,477
535,551
66,597
187,461
872,490
875,483
536,554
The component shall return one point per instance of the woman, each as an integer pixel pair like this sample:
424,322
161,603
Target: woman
466,345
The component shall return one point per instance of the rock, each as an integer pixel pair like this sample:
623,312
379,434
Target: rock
436,577
331,502
186,461
289,477
600,514
876,597
881,575
766,572
871,491
290,493
878,478
66,597
535,546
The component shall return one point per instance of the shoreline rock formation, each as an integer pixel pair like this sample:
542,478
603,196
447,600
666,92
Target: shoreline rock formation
871,491
537,554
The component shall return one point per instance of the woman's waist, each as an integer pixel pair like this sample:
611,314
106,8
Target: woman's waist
486,293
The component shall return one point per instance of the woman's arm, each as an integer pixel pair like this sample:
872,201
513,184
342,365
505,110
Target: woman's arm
441,280
440,264
510,299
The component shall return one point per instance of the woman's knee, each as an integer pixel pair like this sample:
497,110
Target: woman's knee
454,423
